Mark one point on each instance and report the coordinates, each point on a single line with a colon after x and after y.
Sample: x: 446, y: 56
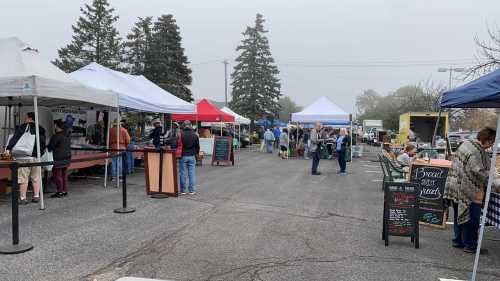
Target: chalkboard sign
x: 222, y: 152
x: 400, y: 211
x: 431, y: 181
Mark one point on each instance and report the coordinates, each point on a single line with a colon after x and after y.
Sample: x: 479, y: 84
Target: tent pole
x: 5, y: 132
x: 107, y: 147
x: 433, y: 141
x: 118, y: 131
x: 38, y: 152
x: 239, y: 142
x: 487, y: 199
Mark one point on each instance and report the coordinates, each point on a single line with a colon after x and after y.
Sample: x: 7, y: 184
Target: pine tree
x: 256, y: 87
x: 138, y: 47
x: 170, y: 69
x: 95, y: 39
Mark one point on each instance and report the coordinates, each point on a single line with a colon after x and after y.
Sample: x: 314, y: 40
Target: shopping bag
x: 25, y: 144
x: 48, y: 156
x: 348, y: 155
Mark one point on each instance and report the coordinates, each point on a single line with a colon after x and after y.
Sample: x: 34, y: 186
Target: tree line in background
x: 153, y: 49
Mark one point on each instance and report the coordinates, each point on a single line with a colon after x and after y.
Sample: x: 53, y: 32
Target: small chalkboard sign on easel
x: 400, y: 211
x: 223, y: 150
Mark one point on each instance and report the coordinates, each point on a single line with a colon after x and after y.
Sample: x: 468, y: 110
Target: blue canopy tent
x: 483, y: 92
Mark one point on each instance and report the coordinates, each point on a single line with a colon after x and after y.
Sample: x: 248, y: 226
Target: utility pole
x: 225, y: 62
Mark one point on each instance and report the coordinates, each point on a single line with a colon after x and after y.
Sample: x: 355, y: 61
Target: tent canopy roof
x: 24, y: 74
x: 483, y: 92
x: 322, y: 110
x: 135, y: 92
x: 238, y: 118
x: 206, y: 112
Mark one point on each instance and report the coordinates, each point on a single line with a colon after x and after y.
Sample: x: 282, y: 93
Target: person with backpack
x: 269, y: 139
x: 26, y: 174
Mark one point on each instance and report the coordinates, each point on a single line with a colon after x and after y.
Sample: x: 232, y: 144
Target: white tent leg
x: 487, y: 200
x: 107, y: 147
x: 351, y: 141
x: 118, y: 128
x: 38, y: 152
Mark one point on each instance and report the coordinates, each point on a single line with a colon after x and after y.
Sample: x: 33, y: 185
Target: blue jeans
x: 187, y: 169
x: 269, y: 145
x: 116, y: 166
x: 315, y: 162
x: 130, y: 159
x: 467, y: 234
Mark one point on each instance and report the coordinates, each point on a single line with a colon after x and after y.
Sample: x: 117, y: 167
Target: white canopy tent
x: 238, y: 118
x: 135, y: 92
x: 27, y: 79
x: 323, y: 110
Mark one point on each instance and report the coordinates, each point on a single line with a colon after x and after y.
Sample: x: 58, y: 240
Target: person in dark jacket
x: 60, y: 146
x: 28, y: 173
x: 190, y: 148
x: 156, y: 133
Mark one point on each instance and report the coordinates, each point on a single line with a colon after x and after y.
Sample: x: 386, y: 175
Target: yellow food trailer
x: 419, y: 126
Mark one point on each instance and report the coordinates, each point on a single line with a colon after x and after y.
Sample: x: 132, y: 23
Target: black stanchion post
x: 124, y: 209
x: 160, y: 194
x: 16, y: 247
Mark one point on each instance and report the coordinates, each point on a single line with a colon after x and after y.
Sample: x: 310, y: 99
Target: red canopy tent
x: 205, y: 112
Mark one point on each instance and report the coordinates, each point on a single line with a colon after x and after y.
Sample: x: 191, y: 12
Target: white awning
x: 135, y: 92
x: 322, y: 110
x: 238, y: 118
x: 25, y: 74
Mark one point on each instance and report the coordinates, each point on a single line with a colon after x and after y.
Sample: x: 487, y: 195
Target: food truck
x: 418, y: 127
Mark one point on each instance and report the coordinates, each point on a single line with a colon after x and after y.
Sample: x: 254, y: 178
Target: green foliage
x: 138, y: 46
x: 95, y: 39
x: 256, y: 87
x: 287, y: 107
x: 169, y: 69
x: 411, y: 98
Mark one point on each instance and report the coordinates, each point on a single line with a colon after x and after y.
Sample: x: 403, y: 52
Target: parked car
x: 457, y: 138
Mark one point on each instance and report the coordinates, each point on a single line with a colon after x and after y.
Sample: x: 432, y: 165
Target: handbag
x: 48, y: 156
x: 25, y: 144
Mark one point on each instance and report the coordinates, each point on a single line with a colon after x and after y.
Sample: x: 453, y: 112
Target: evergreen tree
x: 138, y: 47
x: 95, y: 39
x: 170, y: 69
x: 256, y: 87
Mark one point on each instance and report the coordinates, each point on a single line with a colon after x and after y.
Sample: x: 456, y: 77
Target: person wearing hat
x: 172, y: 134
x: 124, y: 143
x: 156, y: 133
x: 190, y: 148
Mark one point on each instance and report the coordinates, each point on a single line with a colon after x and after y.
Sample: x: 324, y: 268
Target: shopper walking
x: 316, y: 142
x: 277, y: 133
x: 465, y: 187
x: 60, y: 146
x: 269, y: 139
x: 284, y: 144
x: 26, y: 174
x: 341, y: 145
x: 190, y: 148
x: 116, y: 163
x: 261, y: 133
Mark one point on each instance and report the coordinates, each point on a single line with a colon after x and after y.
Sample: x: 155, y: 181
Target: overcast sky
x: 328, y: 47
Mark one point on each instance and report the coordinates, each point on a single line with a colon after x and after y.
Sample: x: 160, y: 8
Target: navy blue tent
x: 483, y: 92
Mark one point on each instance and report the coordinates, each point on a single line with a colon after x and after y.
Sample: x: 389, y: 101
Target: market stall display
x: 28, y: 80
x: 483, y: 92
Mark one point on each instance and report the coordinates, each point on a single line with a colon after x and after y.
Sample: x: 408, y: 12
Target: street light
x: 451, y: 70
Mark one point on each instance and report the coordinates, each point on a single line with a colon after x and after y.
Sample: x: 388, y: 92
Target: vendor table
x: 5, y: 172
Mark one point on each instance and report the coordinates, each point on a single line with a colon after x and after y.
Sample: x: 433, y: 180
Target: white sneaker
x: 192, y: 193
x: 183, y: 193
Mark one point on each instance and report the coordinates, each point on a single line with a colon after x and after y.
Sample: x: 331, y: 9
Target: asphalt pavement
x: 263, y: 219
